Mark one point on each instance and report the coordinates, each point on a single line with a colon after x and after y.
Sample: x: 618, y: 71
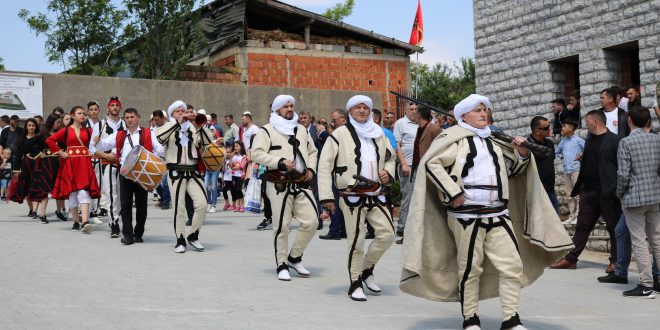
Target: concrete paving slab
x: 53, y: 278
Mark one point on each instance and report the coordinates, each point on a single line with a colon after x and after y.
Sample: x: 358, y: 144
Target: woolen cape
x: 429, y: 262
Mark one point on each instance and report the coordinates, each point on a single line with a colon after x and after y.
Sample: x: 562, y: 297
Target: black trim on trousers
x: 279, y: 227
x: 468, y: 266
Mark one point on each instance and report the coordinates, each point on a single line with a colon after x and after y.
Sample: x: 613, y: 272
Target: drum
x: 143, y: 168
x: 213, y: 157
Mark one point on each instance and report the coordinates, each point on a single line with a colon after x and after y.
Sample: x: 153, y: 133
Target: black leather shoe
x: 138, y: 240
x: 330, y: 237
x: 613, y: 278
x: 126, y: 240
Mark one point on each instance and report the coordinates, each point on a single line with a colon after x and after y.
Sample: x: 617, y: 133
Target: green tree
x: 2, y: 65
x: 340, y: 10
x: 442, y: 86
x: 80, y: 30
x: 166, y: 37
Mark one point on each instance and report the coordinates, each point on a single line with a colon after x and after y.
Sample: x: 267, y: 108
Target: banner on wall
x: 21, y: 94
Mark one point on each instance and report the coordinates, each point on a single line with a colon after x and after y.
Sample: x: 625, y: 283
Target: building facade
x: 529, y: 52
x: 272, y: 44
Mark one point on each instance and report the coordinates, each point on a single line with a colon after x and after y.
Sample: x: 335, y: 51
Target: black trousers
x: 128, y: 189
x: 592, y: 206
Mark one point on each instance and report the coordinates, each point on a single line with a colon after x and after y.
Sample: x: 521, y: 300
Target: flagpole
x: 417, y: 76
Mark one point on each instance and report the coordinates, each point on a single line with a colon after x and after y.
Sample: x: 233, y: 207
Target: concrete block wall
x: 515, y: 41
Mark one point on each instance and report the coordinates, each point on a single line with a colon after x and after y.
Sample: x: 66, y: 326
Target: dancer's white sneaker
x: 283, y: 275
x: 196, y: 245
x: 358, y: 295
x: 300, y: 269
x: 371, y: 284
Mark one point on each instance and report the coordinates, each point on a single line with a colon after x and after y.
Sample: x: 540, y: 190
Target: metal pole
x: 417, y: 77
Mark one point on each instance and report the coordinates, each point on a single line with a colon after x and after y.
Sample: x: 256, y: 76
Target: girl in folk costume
x: 238, y: 165
x: 36, y: 185
x: 51, y: 164
x: 227, y: 178
x: 76, y: 179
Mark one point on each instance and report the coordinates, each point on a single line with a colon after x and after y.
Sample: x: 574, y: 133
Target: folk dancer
x: 182, y: 139
x: 110, y: 167
x: 479, y: 213
x: 75, y: 179
x: 287, y: 150
x: 362, y: 161
x: 96, y: 124
x: 124, y: 141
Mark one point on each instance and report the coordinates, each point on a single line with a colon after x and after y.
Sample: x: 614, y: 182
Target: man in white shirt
x: 123, y: 142
x: 405, y: 131
x: 616, y: 117
x: 93, y: 121
x: 110, y: 166
x: 249, y: 129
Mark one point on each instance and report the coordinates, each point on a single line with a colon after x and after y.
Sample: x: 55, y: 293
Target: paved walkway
x: 54, y: 278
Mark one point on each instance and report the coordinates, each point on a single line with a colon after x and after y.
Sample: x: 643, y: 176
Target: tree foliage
x: 443, y: 86
x: 166, y: 37
x: 2, y: 65
x: 340, y: 10
x: 80, y: 30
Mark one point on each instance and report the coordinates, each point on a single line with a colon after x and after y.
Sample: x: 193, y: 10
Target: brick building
x: 273, y: 44
x: 530, y: 52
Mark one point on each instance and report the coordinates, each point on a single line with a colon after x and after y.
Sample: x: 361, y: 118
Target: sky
x: 448, y: 29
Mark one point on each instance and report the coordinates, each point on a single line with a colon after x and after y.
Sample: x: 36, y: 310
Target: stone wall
x: 516, y: 41
x: 520, y: 45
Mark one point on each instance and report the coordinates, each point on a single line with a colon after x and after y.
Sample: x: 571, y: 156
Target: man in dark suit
x: 596, y: 186
x: 638, y: 187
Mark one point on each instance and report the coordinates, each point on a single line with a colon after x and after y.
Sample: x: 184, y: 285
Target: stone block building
x: 529, y: 52
x: 273, y: 44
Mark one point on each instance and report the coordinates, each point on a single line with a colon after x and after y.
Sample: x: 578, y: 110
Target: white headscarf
x: 467, y: 105
x: 368, y: 129
x: 281, y: 124
x: 177, y: 104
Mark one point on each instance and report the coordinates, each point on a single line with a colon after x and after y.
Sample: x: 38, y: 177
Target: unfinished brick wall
x: 335, y: 73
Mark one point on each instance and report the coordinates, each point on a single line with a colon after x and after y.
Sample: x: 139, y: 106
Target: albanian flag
x: 417, y: 33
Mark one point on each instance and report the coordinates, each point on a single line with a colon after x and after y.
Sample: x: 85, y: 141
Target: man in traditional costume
x: 110, y: 166
x: 362, y: 160
x: 288, y: 152
x: 124, y: 141
x: 183, y: 139
x: 474, y: 197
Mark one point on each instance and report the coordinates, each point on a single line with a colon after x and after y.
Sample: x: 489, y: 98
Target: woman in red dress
x: 75, y: 179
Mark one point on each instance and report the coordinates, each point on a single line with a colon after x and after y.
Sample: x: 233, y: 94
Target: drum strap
x: 130, y: 140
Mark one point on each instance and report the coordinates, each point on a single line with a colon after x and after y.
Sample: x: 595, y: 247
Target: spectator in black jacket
x: 544, y: 163
x: 11, y: 137
x: 562, y: 113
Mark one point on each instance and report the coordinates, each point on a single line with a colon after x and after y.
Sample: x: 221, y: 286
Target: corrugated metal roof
x: 225, y: 23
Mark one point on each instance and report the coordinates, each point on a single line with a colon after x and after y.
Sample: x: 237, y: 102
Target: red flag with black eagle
x: 417, y: 33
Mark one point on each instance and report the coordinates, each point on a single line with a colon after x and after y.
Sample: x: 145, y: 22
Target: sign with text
x: 21, y: 94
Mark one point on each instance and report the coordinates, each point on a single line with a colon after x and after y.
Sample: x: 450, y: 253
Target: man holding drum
x: 182, y: 140
x: 124, y: 141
